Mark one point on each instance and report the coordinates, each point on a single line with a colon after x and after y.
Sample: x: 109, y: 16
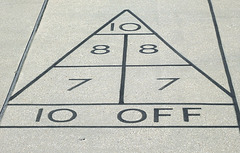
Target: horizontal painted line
x: 73, y: 66
x: 119, y: 127
x: 74, y: 104
x: 125, y: 34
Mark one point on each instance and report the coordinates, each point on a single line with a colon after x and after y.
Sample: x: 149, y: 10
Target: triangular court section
x: 126, y: 25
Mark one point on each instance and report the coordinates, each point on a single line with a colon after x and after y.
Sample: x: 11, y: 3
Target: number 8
x: 148, y: 47
x: 100, y: 47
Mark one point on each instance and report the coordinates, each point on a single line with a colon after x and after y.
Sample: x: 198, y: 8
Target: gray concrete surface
x: 17, y: 21
x: 77, y: 103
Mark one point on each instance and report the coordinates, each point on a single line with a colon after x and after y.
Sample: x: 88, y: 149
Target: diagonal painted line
x: 236, y: 107
x: 17, y: 74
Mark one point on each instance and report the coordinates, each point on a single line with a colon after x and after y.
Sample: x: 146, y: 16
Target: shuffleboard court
x: 124, y: 68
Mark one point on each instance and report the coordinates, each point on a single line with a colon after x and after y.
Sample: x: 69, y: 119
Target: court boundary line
x: 187, y: 127
x: 227, y: 72
x: 115, y: 103
x: 21, y: 63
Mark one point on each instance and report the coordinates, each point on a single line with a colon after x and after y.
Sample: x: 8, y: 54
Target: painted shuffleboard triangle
x: 104, y: 48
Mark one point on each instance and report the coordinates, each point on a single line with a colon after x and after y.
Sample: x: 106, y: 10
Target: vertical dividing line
x: 235, y: 103
x: 23, y: 58
x: 124, y: 60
